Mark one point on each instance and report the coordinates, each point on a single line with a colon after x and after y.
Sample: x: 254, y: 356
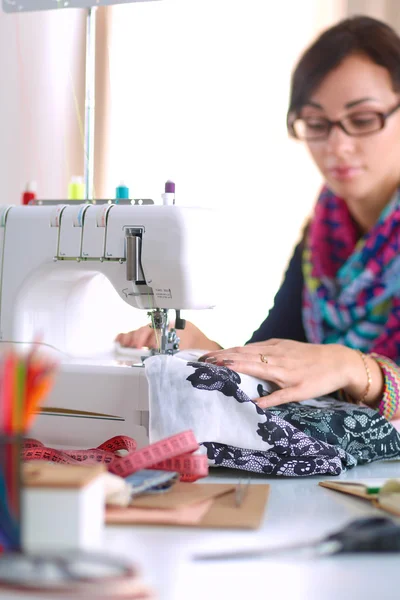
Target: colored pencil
x: 25, y: 380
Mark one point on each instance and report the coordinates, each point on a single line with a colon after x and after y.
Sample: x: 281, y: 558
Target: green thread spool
x: 76, y: 189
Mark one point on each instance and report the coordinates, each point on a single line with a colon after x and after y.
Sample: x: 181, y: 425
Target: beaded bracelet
x: 390, y: 402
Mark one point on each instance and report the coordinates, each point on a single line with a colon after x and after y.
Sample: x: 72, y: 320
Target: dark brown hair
x: 356, y: 35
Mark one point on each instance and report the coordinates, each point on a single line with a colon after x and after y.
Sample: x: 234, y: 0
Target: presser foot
x: 168, y: 339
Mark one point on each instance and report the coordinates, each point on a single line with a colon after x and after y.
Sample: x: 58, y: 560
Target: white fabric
x: 175, y: 405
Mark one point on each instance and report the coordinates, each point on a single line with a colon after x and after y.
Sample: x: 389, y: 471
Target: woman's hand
x: 301, y: 370
x: 190, y: 338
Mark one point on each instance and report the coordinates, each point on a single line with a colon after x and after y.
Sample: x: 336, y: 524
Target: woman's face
x: 357, y: 168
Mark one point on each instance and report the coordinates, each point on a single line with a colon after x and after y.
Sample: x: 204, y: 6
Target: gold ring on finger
x: 263, y: 358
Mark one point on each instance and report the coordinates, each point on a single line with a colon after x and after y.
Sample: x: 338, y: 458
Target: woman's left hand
x: 301, y: 370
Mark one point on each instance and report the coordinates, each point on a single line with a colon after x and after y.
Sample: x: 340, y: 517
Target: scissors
x: 368, y: 534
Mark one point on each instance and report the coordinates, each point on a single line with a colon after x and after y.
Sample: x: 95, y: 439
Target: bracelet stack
x: 391, y: 393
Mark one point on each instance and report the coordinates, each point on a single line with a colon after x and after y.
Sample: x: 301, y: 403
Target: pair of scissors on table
x: 368, y: 534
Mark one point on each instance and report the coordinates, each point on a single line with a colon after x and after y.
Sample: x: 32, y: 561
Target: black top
x: 285, y: 320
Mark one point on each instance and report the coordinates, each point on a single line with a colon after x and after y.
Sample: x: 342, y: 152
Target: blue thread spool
x: 122, y: 192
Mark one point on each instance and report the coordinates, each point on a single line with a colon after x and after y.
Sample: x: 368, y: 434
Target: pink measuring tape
x: 171, y: 454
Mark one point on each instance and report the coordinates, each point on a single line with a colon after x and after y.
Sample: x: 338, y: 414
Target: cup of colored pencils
x: 25, y: 380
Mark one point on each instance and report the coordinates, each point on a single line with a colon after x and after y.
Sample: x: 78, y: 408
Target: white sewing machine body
x: 154, y: 256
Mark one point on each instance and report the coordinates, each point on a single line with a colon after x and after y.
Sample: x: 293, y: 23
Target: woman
x: 335, y: 324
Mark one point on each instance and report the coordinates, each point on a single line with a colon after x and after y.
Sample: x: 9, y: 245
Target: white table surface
x: 298, y: 510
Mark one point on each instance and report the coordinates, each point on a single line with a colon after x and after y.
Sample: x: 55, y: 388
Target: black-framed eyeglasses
x: 357, y: 124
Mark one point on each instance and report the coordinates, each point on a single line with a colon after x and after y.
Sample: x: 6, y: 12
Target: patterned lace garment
x: 319, y: 437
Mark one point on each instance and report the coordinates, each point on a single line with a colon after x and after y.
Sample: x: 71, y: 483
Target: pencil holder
x: 10, y: 492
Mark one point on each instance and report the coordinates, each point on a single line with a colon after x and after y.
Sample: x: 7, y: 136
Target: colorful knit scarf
x: 352, y: 285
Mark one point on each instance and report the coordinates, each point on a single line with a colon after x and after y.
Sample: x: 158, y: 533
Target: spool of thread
x: 168, y: 197
x: 29, y: 193
x: 122, y: 192
x: 76, y: 188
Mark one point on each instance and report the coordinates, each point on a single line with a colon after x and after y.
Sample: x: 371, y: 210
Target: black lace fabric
x: 320, y: 437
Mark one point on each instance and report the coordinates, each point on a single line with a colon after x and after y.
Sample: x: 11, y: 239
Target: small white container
x: 63, y: 507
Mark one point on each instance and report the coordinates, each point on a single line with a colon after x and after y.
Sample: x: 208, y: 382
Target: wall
x: 42, y: 73
x: 387, y: 10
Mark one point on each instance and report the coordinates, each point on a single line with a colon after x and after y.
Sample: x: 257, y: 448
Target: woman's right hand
x: 190, y: 338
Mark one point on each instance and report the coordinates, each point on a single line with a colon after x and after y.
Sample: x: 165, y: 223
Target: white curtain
x: 198, y: 94
x: 42, y: 70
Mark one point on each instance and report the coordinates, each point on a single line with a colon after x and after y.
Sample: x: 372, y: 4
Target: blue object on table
x: 151, y: 481
x: 10, y: 492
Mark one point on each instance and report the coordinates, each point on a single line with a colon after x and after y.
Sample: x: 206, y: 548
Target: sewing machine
x: 157, y: 258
